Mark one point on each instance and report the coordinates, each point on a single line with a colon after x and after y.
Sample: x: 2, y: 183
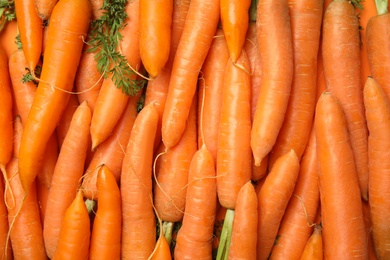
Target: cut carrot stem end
x: 90, y: 204
x: 226, y: 233
x: 381, y: 6
x: 167, y: 227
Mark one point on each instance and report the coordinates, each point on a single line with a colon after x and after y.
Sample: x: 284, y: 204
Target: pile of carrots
x: 194, y: 129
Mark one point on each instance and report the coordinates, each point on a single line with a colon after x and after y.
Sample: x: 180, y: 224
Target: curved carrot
x: 194, y: 239
x: 276, y: 54
x: 313, y: 248
x: 138, y: 219
x: 271, y: 205
x: 107, y: 225
x: 234, y: 157
x: 377, y: 106
x: 75, y: 231
x: 306, y: 16
x: 66, y: 177
x: 57, y: 76
x: 341, y: 202
x: 199, y: 29
x: 244, y: 231
x: 30, y: 27
x: 155, y: 34
x: 235, y: 20
x: 341, y: 60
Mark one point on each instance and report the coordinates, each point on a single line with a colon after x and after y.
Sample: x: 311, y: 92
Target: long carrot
x: 341, y: 203
x: 57, y: 76
x: 276, y: 54
x: 66, y: 176
x: 199, y: 29
x: 377, y: 106
x: 271, y: 204
x: 139, y: 222
x: 75, y: 231
x: 306, y: 16
x: 341, y: 46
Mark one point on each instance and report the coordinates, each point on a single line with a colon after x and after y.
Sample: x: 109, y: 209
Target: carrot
x: 271, y: 205
x: 341, y: 203
x: 97, y: 10
x: 306, y: 16
x: 162, y: 251
x: 66, y: 176
x: 210, y: 92
x: 199, y: 29
x: 377, y: 107
x: 106, y: 115
x: 66, y: 118
x: 244, y: 235
x: 138, y: 219
x: 194, y: 239
x: 75, y: 232
x: 172, y: 172
x: 30, y: 30
x: 377, y: 35
x: 5, y: 245
x: 297, y: 223
x: 51, y: 97
x: 7, y: 37
x: 276, y: 54
x: 44, y: 8
x: 341, y: 60
x: 313, y: 248
x: 155, y: 34
x: 106, y: 231
x: 49, y: 162
x: 111, y: 151
x: 234, y: 158
x: 235, y: 20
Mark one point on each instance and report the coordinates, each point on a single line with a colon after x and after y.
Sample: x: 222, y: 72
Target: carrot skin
x: 313, y: 248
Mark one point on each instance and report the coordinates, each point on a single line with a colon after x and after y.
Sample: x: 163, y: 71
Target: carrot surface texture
x: 62, y: 54
x: 313, y: 248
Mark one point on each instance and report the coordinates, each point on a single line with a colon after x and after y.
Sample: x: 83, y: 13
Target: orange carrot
x: 162, y: 251
x: 244, y: 232
x: 5, y: 244
x: 341, y: 59
x: 377, y: 107
x: 294, y: 134
x: 271, y: 205
x: 194, y: 239
x: 138, y: 219
x: 7, y: 37
x: 107, y: 225
x: 97, y: 10
x: 66, y: 176
x: 199, y: 29
x: 75, y: 231
x: 341, y: 203
x: 51, y: 97
x: 66, y: 118
x: 44, y: 8
x: 234, y: 157
x: 313, y: 248
x: 276, y: 54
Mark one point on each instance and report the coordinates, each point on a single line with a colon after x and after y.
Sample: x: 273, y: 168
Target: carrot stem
x: 226, y: 233
x: 90, y: 204
x: 253, y: 11
x: 381, y: 6
x: 167, y: 227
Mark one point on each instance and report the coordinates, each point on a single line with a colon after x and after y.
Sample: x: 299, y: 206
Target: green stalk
x: 381, y: 6
x: 226, y: 233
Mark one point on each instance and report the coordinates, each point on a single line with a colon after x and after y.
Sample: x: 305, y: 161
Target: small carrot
x: 44, y: 8
x: 341, y: 202
x: 162, y: 251
x: 107, y: 225
x: 75, y: 231
x: 313, y: 248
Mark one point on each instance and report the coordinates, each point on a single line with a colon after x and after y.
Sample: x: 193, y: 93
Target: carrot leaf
x: 224, y: 242
x: 7, y: 12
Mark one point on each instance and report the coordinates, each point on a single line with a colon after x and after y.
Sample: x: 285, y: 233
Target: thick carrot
x: 276, y: 54
x: 344, y: 233
x: 377, y: 106
x: 194, y: 239
x: 199, y: 29
x: 155, y: 34
x: 306, y: 16
x: 138, y: 219
x: 210, y: 92
x: 244, y: 232
x: 234, y: 157
x: 272, y: 205
x: 30, y: 27
x: 44, y: 8
x: 297, y: 223
x: 58, y: 72
x: 171, y: 172
x: 111, y: 151
x: 66, y: 177
x: 75, y: 231
x: 313, y: 248
x: 107, y: 225
x: 341, y: 59
x: 378, y: 35
x: 235, y: 20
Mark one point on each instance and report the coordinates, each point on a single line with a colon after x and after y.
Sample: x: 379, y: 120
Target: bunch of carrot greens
x: 192, y: 129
